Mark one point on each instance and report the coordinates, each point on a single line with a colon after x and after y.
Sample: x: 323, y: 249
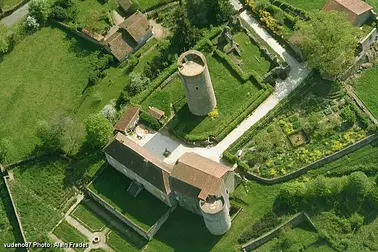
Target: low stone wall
x: 293, y: 222
x: 119, y: 215
x: 366, y: 42
x: 25, y: 160
x: 15, y: 211
x: 316, y: 164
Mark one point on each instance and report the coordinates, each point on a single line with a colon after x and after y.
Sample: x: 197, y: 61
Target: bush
x: 269, y: 221
x: 98, y: 130
x: 93, y: 78
x: 149, y: 121
x: 31, y: 23
x: 349, y: 115
x: 137, y: 84
x: 39, y: 9
x: 59, y: 13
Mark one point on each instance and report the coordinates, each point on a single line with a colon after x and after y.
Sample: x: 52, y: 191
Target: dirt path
x: 19, y: 14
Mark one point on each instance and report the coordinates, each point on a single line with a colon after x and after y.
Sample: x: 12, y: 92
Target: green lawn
x: 45, y: 74
x: 40, y: 193
x: 373, y: 3
x: 68, y: 233
x: 8, y: 4
x: 307, y: 5
x: 148, y: 4
x: 226, y: 87
x: 91, y: 14
x: 170, y: 94
x: 88, y: 218
x: 120, y: 244
x: 9, y: 231
x: 251, y: 56
x: 112, y: 186
x: 366, y: 88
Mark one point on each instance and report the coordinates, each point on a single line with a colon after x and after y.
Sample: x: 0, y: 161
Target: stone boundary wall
x: 15, y: 211
x: 152, y: 231
x: 293, y: 222
x: 366, y: 42
x: 25, y: 160
x: 9, y: 12
x: 317, y: 164
x: 116, y: 213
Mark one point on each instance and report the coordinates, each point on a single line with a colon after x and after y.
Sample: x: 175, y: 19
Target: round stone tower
x: 216, y: 215
x: 195, y: 76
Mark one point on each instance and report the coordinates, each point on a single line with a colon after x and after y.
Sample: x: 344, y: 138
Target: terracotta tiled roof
x: 353, y: 8
x: 119, y: 47
x: 140, y: 161
x: 196, y: 176
x: 125, y: 4
x: 128, y: 119
x: 156, y: 113
x: 137, y: 25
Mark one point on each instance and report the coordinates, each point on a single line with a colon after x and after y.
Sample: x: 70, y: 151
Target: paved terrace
x: 157, y: 142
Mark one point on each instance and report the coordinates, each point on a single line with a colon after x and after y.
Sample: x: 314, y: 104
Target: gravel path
x: 19, y: 14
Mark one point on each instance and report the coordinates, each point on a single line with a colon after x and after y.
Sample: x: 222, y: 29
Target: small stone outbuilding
x: 156, y: 113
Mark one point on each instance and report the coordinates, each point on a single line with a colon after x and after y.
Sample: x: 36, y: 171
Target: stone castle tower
x: 195, y: 76
x: 215, y: 212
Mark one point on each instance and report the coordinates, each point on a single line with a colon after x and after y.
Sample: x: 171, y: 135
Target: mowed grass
x: 68, y: 233
x: 88, y: 218
x: 119, y: 244
x: 162, y: 99
x: 373, y: 3
x: 366, y: 88
x: 40, y: 193
x: 148, y: 4
x: 230, y: 93
x: 307, y: 5
x: 252, y: 58
x: 8, y: 4
x: 111, y: 186
x: 45, y: 74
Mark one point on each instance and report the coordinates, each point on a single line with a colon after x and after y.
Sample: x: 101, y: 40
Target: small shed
x: 358, y: 11
x: 128, y: 119
x: 156, y: 113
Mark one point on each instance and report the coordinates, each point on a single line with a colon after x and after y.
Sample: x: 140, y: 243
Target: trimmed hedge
x: 243, y: 76
x: 149, y: 121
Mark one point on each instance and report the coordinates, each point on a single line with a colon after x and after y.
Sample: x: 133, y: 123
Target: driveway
x: 19, y: 14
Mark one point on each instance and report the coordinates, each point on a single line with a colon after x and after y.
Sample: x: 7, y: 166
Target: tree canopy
x: 329, y: 41
x: 98, y: 129
x: 40, y: 9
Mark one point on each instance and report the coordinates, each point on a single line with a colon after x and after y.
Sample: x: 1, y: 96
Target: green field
x: 307, y: 5
x: 366, y: 88
x: 148, y: 4
x: 45, y: 74
x: 112, y: 186
x: 119, y: 244
x: 8, y: 4
x: 226, y: 87
x: 88, y: 218
x: 68, y: 233
x: 40, y: 193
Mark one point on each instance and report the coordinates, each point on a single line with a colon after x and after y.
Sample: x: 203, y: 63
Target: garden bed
x: 88, y: 218
x: 68, y: 233
x: 329, y: 120
x: 111, y: 186
x: 40, y: 192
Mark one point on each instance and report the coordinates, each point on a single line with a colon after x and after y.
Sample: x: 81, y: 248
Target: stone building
x: 195, y: 76
x: 357, y: 11
x: 195, y: 183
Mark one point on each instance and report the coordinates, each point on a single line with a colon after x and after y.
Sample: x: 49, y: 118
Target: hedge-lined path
x: 19, y: 14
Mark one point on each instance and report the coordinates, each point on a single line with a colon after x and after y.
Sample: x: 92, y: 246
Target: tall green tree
x: 98, y: 129
x: 40, y: 10
x: 329, y: 41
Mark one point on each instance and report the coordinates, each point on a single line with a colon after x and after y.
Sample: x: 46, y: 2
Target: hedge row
x: 150, y: 43
x: 243, y: 76
x: 284, y: 6
x: 231, y: 126
x: 172, y: 68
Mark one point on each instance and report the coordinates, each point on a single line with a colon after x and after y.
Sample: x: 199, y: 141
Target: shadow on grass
x: 186, y: 231
x: 184, y: 121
